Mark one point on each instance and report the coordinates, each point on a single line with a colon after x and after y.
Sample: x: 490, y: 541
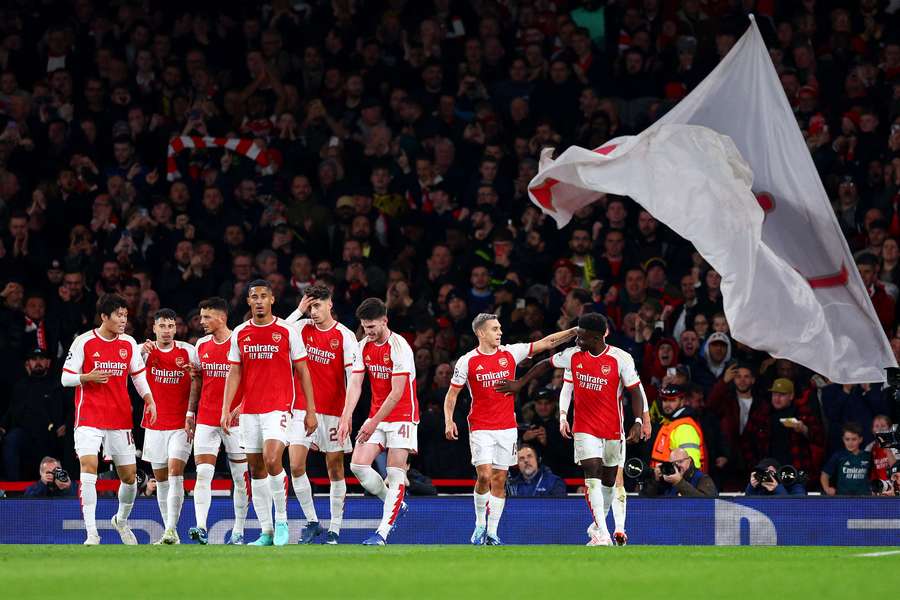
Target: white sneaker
x: 170, y: 538
x: 124, y: 531
x: 93, y: 539
x: 600, y: 540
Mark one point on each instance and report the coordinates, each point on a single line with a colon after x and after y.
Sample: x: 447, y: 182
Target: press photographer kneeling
x: 770, y: 479
x: 679, y: 477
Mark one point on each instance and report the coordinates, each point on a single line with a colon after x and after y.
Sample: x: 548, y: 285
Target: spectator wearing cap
x: 658, y: 284
x: 35, y: 422
x: 783, y: 429
x: 868, y: 265
x: 677, y: 429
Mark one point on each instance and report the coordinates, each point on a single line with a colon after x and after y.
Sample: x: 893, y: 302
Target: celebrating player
x: 333, y: 351
x: 166, y: 443
x: 492, y: 416
x: 98, y: 364
x: 393, y: 417
x: 202, y: 422
x: 266, y: 354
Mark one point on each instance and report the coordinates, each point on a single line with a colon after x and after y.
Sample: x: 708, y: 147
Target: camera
x: 667, y: 468
x: 883, y: 486
x: 764, y: 476
x: 60, y: 475
x: 788, y: 475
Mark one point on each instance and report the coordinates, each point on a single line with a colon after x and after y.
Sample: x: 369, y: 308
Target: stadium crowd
x: 398, y: 139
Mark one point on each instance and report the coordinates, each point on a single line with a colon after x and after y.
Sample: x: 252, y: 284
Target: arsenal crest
x: 387, y: 359
x: 276, y: 337
x: 334, y: 343
x: 605, y: 369
x: 503, y: 362
x: 123, y: 353
x: 179, y: 362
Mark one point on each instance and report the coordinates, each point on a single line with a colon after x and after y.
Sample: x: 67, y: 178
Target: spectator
x: 783, y: 429
x: 532, y: 478
x: 847, y: 471
x: 687, y: 480
x: 35, y: 422
x: 53, y: 482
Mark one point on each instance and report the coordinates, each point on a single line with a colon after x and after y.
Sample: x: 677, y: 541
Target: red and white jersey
x: 104, y: 405
x: 266, y: 354
x: 329, y: 353
x: 383, y: 362
x: 214, y: 366
x: 481, y: 372
x: 169, y: 378
x: 599, y: 382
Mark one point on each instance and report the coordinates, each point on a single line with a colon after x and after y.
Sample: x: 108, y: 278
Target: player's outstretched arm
x: 190, y: 418
x: 354, y: 389
x: 450, y: 429
x: 232, y: 383
x: 553, y: 340
x: 310, y: 421
x: 513, y: 387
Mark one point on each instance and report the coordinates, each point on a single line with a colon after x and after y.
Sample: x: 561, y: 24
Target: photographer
x: 679, y: 477
x: 765, y: 480
x: 54, y: 481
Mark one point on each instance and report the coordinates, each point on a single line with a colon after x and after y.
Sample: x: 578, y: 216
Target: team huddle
x: 294, y: 383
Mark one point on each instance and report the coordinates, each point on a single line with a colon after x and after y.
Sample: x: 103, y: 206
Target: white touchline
x: 873, y: 523
x: 874, y: 554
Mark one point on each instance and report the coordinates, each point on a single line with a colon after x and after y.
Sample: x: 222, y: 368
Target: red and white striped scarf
x: 244, y: 147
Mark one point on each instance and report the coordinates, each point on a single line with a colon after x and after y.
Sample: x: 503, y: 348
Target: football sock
x: 303, y: 491
x: 88, y: 490
x: 495, y: 511
x: 277, y: 484
x: 370, y: 480
x: 176, y: 499
x: 203, y: 493
x: 396, y: 489
x: 262, y: 504
x: 336, y: 496
x: 481, y: 504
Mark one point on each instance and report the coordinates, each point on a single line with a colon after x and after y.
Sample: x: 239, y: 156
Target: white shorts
x: 117, y: 444
x: 323, y: 439
x: 612, y: 452
x: 495, y: 447
x: 160, y: 446
x: 208, y: 439
x: 257, y: 428
x: 403, y: 435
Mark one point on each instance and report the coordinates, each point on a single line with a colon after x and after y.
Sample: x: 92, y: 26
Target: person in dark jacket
x: 533, y: 478
x: 54, y: 482
x: 771, y: 485
x: 687, y: 480
x: 35, y: 423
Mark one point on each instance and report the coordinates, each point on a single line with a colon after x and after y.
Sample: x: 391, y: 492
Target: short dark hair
x: 852, y: 427
x: 594, y: 322
x: 582, y: 295
x: 318, y: 291
x: 214, y: 303
x: 371, y: 309
x: 164, y: 313
x: 867, y: 258
x: 131, y: 282
x: 110, y: 303
x: 258, y: 283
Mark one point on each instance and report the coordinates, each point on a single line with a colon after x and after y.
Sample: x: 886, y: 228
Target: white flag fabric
x: 789, y: 283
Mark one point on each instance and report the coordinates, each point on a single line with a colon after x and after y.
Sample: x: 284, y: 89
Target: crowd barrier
x: 449, y: 520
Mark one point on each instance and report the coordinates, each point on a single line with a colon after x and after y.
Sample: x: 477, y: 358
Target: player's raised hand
x: 310, y: 422
x: 147, y: 347
x: 343, y: 429
x: 95, y: 376
x: 304, y: 304
x: 150, y: 409
x: 451, y: 432
x: 564, y: 429
x: 634, y: 434
x: 508, y: 386
x: 190, y: 423
x: 365, y: 432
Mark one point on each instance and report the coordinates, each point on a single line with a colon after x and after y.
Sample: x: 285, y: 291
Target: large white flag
x: 789, y: 283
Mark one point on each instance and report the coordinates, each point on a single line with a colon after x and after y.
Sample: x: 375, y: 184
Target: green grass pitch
x: 397, y: 572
